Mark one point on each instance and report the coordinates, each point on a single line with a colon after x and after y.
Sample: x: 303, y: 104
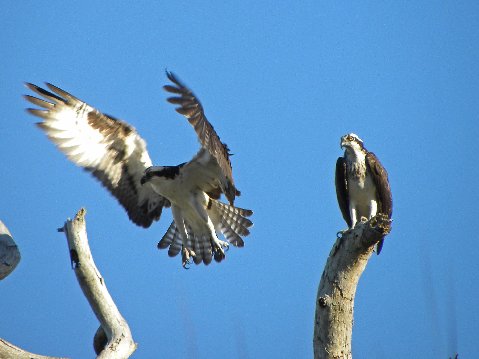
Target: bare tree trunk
x: 335, y: 299
x: 113, y: 339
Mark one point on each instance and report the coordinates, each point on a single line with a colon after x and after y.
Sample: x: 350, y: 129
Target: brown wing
x: 342, y: 190
x: 109, y: 148
x: 191, y: 108
x: 380, y: 178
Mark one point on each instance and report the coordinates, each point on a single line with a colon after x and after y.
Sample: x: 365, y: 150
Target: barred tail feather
x: 231, y: 221
x: 198, y: 248
x: 171, y: 239
x: 232, y: 237
x: 207, y: 252
x: 202, y: 247
x: 174, y: 242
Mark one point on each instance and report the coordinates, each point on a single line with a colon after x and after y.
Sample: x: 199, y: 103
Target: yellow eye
x: 350, y: 138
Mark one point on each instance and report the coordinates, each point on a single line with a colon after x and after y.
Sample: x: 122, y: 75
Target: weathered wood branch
x: 347, y: 260
x: 10, y: 351
x: 119, y: 342
x: 9, y: 253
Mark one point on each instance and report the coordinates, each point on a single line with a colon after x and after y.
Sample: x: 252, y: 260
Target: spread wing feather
x: 190, y: 107
x: 109, y: 148
x: 342, y: 189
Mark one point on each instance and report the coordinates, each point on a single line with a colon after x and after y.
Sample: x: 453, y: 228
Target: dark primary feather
x: 108, y: 148
x: 342, y: 189
x: 190, y: 107
x: 383, y: 190
x: 380, y: 178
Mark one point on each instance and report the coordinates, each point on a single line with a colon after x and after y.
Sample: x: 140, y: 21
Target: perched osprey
x: 362, y: 184
x: 116, y: 155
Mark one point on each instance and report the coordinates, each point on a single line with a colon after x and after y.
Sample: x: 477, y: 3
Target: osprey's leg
x: 373, y: 209
x: 354, y: 215
x: 186, y: 253
x: 216, y: 244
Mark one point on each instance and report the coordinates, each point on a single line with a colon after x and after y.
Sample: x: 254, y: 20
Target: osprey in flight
x: 116, y: 155
x: 362, y: 184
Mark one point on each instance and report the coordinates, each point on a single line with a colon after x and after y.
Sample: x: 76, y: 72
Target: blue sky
x: 281, y: 84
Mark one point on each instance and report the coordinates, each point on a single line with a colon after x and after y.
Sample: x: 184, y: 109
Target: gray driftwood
x: 9, y: 253
x: 10, y: 351
x: 333, y: 324
x: 113, y: 339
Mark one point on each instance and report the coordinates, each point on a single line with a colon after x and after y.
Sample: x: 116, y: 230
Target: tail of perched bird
x: 379, y: 246
x: 231, y: 221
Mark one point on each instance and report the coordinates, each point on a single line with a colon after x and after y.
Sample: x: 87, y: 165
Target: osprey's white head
x: 352, y: 143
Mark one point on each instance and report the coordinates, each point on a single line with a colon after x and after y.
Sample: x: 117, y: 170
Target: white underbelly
x: 362, y: 196
x: 186, y: 199
x: 172, y: 189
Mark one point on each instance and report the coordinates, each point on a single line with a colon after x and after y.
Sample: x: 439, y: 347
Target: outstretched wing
x: 191, y: 108
x: 109, y: 148
x: 342, y: 190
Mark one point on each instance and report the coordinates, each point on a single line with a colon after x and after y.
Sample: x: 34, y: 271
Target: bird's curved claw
x: 217, y: 248
x: 219, y: 255
x: 186, y: 256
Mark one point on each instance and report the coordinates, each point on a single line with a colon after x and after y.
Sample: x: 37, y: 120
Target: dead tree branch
x: 118, y: 342
x: 335, y: 299
x: 10, y: 351
x: 9, y: 253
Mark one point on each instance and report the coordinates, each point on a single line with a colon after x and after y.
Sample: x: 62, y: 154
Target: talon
x: 224, y: 245
x: 217, y: 249
x: 219, y: 245
x: 186, y: 256
x: 219, y: 255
